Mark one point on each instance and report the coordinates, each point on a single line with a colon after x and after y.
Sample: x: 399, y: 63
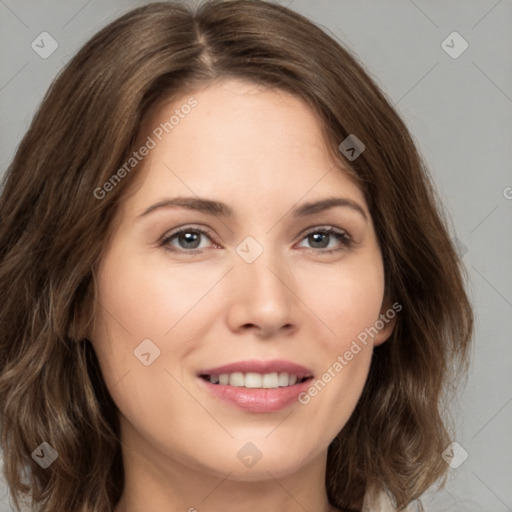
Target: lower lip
x: 257, y: 399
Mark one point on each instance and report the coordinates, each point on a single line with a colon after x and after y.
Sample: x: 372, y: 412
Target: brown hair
x: 53, y: 230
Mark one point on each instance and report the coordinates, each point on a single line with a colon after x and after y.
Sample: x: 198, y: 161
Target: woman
x: 294, y: 356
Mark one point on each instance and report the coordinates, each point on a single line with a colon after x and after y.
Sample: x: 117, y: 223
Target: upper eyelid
x: 324, y: 227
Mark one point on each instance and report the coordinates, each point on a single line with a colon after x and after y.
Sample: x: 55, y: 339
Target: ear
x: 83, y: 317
x: 386, y: 321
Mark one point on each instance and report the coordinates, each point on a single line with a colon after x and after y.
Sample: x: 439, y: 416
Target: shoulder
x: 381, y: 502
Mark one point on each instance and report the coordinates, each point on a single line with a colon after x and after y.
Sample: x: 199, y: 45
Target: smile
x: 256, y: 386
x: 255, y: 380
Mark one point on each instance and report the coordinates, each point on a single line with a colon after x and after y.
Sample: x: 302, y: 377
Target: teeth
x: 236, y: 379
x: 283, y: 379
x: 254, y: 380
x: 270, y: 380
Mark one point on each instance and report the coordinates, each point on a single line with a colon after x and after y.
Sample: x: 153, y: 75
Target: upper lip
x: 258, y: 366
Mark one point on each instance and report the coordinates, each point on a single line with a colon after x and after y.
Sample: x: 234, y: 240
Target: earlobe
x: 386, y: 321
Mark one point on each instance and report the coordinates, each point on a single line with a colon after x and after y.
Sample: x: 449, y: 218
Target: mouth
x: 257, y: 386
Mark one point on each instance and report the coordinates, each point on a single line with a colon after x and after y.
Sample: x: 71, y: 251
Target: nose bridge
x: 259, y: 262
x: 262, y: 281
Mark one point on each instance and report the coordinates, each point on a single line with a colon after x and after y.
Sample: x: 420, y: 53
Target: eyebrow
x: 218, y: 208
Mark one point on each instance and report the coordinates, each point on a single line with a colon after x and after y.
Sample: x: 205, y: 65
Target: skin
x: 243, y: 145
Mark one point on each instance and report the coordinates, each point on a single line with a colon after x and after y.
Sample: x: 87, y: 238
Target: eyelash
x: 341, y: 235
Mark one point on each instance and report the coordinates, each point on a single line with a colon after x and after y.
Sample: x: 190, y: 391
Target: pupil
x: 189, y: 238
x: 317, y: 238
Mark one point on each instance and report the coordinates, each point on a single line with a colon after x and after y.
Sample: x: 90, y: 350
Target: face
x: 276, y: 289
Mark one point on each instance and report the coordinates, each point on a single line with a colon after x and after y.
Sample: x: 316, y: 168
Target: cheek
x: 346, y: 299
x: 141, y: 298
x: 128, y: 312
x: 145, y: 299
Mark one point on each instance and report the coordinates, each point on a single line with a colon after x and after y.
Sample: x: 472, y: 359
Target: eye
x: 188, y: 239
x: 320, y: 237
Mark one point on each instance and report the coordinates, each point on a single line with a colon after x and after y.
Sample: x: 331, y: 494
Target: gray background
x: 460, y: 113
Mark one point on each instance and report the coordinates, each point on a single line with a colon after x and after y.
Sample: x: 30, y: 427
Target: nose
x: 261, y: 296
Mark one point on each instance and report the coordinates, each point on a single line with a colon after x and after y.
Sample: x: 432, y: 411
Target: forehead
x: 239, y: 136
x: 267, y: 116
